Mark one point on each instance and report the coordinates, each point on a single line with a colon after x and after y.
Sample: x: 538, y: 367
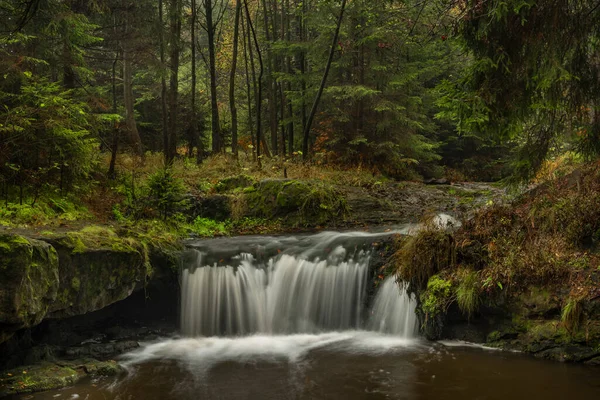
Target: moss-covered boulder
x: 96, y: 271
x: 29, y: 282
x: 37, y: 378
x: 47, y: 376
x: 234, y: 182
x: 297, y: 203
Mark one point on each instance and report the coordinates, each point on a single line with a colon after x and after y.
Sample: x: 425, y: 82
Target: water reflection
x: 337, y: 365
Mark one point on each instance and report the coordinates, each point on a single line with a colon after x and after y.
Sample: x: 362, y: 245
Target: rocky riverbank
x: 522, y: 276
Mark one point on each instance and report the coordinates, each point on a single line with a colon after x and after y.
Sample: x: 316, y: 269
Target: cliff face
x: 29, y: 273
x: 68, y: 276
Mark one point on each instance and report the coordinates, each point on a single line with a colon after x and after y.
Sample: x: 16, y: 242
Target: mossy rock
x: 538, y: 302
x: 217, y: 207
x: 92, y: 278
x: 30, y: 280
x: 48, y: 376
x: 433, y: 303
x: 234, y: 182
x: 38, y: 378
x: 298, y: 203
x: 97, y: 368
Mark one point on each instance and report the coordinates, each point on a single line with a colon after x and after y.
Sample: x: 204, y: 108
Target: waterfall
x: 315, y: 285
x: 393, y: 310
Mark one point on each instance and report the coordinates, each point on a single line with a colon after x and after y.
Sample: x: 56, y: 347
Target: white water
x: 202, y: 353
x: 291, y: 293
x: 393, y: 310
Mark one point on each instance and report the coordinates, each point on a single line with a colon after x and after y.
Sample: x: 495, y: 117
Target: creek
x: 311, y: 317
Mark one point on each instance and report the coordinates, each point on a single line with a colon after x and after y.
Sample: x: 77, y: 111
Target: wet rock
x: 572, y: 353
x: 594, y: 361
x: 97, y: 368
x: 29, y: 272
x: 433, y: 181
x: 54, y: 375
x: 37, y: 378
x: 101, y: 350
x: 217, y: 207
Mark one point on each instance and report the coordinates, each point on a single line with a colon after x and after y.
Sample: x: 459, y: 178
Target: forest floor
x: 372, y: 200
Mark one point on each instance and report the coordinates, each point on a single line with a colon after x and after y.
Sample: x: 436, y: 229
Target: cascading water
x: 289, y: 285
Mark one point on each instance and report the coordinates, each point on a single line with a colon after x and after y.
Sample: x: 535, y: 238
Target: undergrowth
x: 548, y: 237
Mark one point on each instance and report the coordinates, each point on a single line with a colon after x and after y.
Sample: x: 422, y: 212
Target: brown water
x: 346, y: 365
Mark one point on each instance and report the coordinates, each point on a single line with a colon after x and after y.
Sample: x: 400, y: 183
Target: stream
x: 306, y: 317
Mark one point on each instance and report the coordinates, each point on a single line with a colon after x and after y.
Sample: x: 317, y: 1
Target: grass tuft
x: 467, y: 293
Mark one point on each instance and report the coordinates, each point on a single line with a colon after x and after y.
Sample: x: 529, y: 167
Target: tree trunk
x: 315, y: 105
x: 134, y: 135
x: 248, y: 46
x: 270, y: 82
x: 234, y: 133
x: 163, y: 83
x: 288, y: 61
x: 259, y: 94
x: 193, y: 140
x: 175, y: 22
x: 214, y: 107
x: 301, y: 63
x: 115, y: 139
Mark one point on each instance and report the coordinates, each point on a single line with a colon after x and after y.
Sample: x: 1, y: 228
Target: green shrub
x: 208, y: 227
x: 166, y: 194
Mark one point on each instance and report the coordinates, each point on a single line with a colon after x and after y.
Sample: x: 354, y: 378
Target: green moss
x: 36, y: 379
x: 299, y: 203
x: 207, y: 227
x: 75, y: 284
x: 234, y: 182
x: 436, y: 298
x: 102, y: 368
x: 29, y: 276
x: 9, y: 241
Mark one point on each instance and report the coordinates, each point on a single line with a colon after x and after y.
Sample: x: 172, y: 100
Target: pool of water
x: 347, y: 365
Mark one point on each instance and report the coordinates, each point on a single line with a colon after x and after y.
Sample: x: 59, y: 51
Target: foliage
x: 50, y: 210
x: 166, y: 194
x: 533, y: 80
x: 572, y: 314
x: 467, y: 292
x: 47, y: 142
x: 207, y: 227
x: 437, y: 296
x: 424, y: 254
